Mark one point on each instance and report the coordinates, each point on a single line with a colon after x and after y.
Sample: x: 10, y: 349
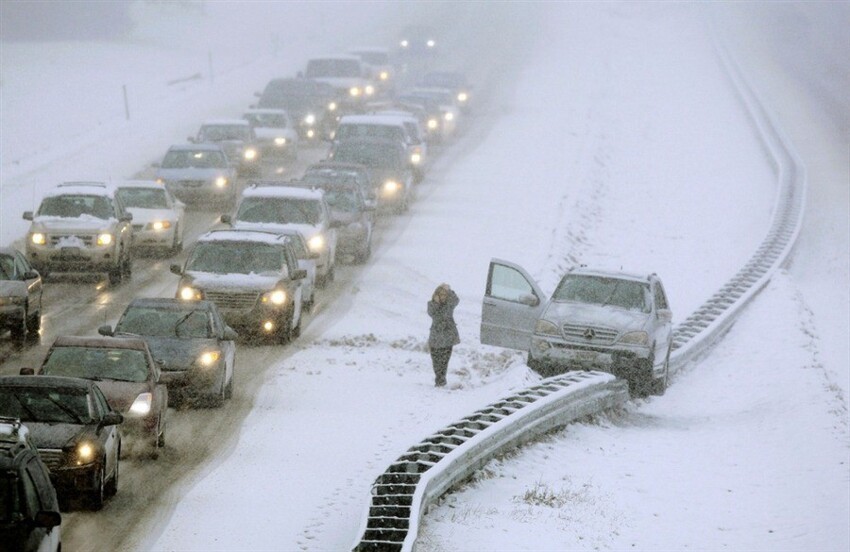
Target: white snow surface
x: 622, y: 144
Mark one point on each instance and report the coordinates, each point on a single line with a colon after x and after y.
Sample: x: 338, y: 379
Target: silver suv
x: 612, y: 321
x: 81, y: 227
x: 198, y: 173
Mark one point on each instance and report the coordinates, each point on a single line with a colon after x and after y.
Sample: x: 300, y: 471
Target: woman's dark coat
x: 443, y: 328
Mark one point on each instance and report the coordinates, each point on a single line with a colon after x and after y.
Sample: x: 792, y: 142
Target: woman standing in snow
x: 443, y: 334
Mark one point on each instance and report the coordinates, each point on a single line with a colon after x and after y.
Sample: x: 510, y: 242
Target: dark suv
x: 29, y: 510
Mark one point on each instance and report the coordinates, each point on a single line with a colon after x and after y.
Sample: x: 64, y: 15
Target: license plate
x: 586, y: 356
x: 70, y: 252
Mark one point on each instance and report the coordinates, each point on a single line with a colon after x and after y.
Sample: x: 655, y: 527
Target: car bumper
x: 617, y: 360
x: 350, y: 241
x: 194, y: 191
x: 70, y: 480
x: 192, y: 382
x: 254, y: 321
x: 76, y: 259
x: 153, y: 238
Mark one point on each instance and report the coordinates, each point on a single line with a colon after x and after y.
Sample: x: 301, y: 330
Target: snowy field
x: 619, y: 143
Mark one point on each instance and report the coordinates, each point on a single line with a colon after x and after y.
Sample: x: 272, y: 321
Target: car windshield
x: 374, y: 58
x: 341, y: 199
x: 348, y: 131
x: 46, y: 404
x: 377, y: 156
x: 76, y: 206
x: 218, y: 133
x: 600, y: 290
x: 279, y: 210
x: 97, y: 363
x: 331, y: 68
x: 227, y: 257
x: 7, y: 267
x: 266, y: 120
x: 165, y: 322
x: 143, y: 198
x: 200, y: 159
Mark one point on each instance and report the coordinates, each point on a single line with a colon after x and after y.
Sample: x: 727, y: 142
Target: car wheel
x: 19, y: 330
x: 177, y: 243
x: 361, y: 258
x: 98, y: 495
x: 34, y: 326
x: 535, y: 365
x: 296, y: 331
x: 216, y: 400
x: 659, y: 385
x: 127, y: 267
x: 160, y: 442
x: 284, y: 330
x: 111, y: 488
x: 115, y: 275
x: 228, y: 389
x: 640, y: 381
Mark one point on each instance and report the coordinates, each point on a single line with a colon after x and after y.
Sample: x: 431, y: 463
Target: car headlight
x: 332, y: 106
x: 449, y: 116
x: 221, y: 182
x: 280, y: 141
x: 276, y: 297
x: 142, y: 405
x: 430, y: 43
x: 384, y: 75
x: 85, y: 453
x: 432, y: 124
x: 159, y: 225
x: 311, y: 133
x: 635, y: 338
x: 310, y: 119
x: 415, y: 158
x: 391, y: 187
x: 462, y: 96
x: 38, y: 238
x: 250, y: 154
x: 160, y: 181
x: 188, y: 293
x: 209, y: 358
x: 404, y: 43
x: 546, y: 327
x: 316, y: 243
x: 104, y: 239
x: 354, y: 91
x: 369, y: 89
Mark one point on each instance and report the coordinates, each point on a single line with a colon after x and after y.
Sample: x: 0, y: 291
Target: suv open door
x: 512, y: 304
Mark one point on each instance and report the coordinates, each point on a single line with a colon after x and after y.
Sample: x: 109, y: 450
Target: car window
x: 22, y: 266
x: 7, y: 267
x: 156, y: 322
x: 195, y: 159
x: 340, y: 199
x: 372, y: 155
x: 144, y: 198
x: 230, y: 258
x: 100, y: 401
x: 279, y: 210
x: 349, y: 131
x: 660, y: 297
x: 97, y: 363
x: 600, y: 290
x: 269, y: 120
x: 508, y: 283
x: 323, y: 68
x: 44, y: 404
x: 76, y: 206
x: 218, y: 133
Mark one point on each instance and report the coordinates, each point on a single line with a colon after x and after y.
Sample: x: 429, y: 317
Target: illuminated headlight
x: 85, y: 453
x: 449, y: 116
x: 188, y: 293
x: 142, y: 405
x: 250, y: 154
x: 430, y: 43
x: 159, y: 225
x: 276, y: 297
x: 310, y: 119
x: 384, y: 75
x: 280, y: 141
x: 415, y: 158
x: 635, y: 338
x: 160, y: 181
x: 38, y: 238
x: 316, y: 243
x: 545, y: 327
x: 221, y: 182
x: 209, y: 358
x: 404, y: 43
x: 268, y: 325
x: 369, y: 90
x: 104, y: 239
x: 311, y: 133
x: 332, y: 106
x: 391, y: 187
x: 462, y: 97
x: 354, y: 91
x: 432, y: 124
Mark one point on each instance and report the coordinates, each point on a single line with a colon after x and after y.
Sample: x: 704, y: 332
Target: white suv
x: 613, y: 321
x: 81, y: 227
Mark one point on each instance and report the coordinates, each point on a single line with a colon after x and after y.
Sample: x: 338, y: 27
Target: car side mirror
x: 230, y: 334
x: 106, y: 330
x: 226, y: 219
x: 27, y: 215
x: 111, y: 419
x: 175, y: 269
x: 126, y: 217
x: 299, y: 274
x: 47, y: 519
x: 30, y: 275
x: 529, y: 299
x: 27, y: 371
x: 665, y: 315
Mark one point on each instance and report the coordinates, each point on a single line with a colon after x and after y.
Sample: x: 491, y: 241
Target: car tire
x: 228, y: 389
x: 216, y: 400
x: 34, y: 327
x: 19, y: 330
x: 177, y: 243
x: 116, y: 274
x: 641, y: 381
x: 361, y: 258
x: 111, y: 488
x: 659, y: 385
x: 98, y: 495
x: 296, y: 331
x: 127, y: 267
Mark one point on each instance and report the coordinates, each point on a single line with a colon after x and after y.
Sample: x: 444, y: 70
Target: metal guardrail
x: 420, y: 476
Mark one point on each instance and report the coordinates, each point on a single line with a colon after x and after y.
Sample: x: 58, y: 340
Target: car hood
x: 308, y: 230
x: 191, y: 173
x: 144, y: 216
x: 57, y: 435
x: 342, y: 82
x: 346, y: 217
x: 13, y: 288
x: 233, y: 282
x: 268, y: 133
x: 121, y: 394
x: 595, y: 315
x: 179, y: 354
x: 85, y: 223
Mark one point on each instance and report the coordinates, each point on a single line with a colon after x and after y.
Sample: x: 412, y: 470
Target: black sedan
x: 191, y: 342
x: 74, y: 429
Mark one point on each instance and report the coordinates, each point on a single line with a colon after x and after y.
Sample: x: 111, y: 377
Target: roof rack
x: 82, y: 183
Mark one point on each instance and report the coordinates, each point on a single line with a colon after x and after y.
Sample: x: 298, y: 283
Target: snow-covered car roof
x: 139, y: 184
x: 283, y: 191
x: 585, y: 271
x: 225, y: 122
x: 402, y: 116
x: 336, y: 56
x: 134, y: 343
x: 243, y: 236
x: 371, y: 119
x: 81, y: 188
x: 206, y: 146
x: 266, y: 111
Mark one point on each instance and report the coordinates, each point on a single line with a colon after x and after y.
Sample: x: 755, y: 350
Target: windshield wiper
x: 66, y: 410
x: 183, y: 319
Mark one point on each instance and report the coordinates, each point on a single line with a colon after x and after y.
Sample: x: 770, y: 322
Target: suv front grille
x: 87, y: 240
x: 232, y: 300
x: 592, y: 335
x: 52, y: 458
